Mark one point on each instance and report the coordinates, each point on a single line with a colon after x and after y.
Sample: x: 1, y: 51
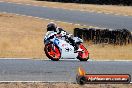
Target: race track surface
x: 60, y: 71
x: 64, y: 70
x: 78, y: 17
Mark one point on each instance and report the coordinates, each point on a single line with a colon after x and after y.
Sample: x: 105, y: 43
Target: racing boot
x: 79, y: 50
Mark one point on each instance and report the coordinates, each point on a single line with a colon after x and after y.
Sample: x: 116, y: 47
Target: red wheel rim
x: 53, y: 53
x: 83, y: 54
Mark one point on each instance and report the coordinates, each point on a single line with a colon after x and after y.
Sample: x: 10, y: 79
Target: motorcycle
x: 57, y: 48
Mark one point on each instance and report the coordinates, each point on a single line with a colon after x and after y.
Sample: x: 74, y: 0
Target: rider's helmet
x: 51, y: 27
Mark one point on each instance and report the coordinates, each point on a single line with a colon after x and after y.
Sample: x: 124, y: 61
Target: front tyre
x: 52, y: 52
x: 83, y: 55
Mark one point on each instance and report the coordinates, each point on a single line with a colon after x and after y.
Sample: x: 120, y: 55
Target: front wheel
x: 52, y: 52
x: 84, y: 54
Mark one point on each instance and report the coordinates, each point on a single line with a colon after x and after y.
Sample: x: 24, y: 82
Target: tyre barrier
x: 108, y: 36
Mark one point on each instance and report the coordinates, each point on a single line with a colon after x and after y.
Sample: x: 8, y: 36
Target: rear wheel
x: 52, y: 52
x: 83, y: 55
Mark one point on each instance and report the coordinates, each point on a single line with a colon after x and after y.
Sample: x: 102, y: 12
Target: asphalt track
x: 64, y: 70
x: 60, y: 71
x: 77, y: 17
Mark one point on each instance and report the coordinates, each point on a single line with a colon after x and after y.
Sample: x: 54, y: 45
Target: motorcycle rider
x: 59, y: 31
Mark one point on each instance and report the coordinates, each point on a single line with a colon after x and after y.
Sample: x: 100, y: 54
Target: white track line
x: 52, y: 20
x: 107, y: 60
x: 16, y: 58
x: 35, y: 81
x: 66, y: 8
x: 91, y: 60
x: 40, y: 82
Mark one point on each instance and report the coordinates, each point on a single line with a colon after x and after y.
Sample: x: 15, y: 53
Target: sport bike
x: 57, y: 48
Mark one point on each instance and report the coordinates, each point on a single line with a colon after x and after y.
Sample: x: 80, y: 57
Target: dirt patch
x: 123, y: 10
x: 62, y: 85
x: 23, y: 37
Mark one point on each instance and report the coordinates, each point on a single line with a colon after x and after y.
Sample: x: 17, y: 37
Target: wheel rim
x: 54, y: 53
x: 83, y: 54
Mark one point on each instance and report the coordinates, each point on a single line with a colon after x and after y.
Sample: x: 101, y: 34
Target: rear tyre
x: 83, y: 55
x: 52, y: 52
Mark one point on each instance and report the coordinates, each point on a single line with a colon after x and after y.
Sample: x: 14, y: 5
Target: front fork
x: 53, y: 48
x: 52, y: 44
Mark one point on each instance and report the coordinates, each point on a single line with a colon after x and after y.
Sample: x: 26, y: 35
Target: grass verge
x: 22, y: 37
